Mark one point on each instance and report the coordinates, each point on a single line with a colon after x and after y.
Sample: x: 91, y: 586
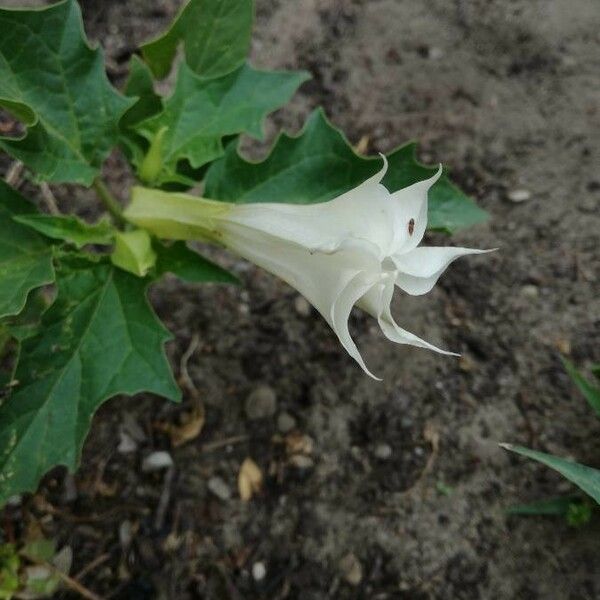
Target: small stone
x: 465, y: 364
x: 261, y: 403
x: 519, y: 195
x: 133, y: 428
x: 530, y: 291
x: 285, y: 422
x: 301, y: 462
x: 351, y: 569
x: 435, y: 53
x: 302, y: 306
x: 259, y: 571
x: 419, y: 451
x: 63, y: 559
x: 219, y: 488
x: 69, y: 493
x: 127, y: 444
x: 125, y: 534
x: 157, y: 461
x: 383, y: 451
x: 299, y: 443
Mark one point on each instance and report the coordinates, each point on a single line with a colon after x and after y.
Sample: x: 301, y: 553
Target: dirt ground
x: 376, y: 490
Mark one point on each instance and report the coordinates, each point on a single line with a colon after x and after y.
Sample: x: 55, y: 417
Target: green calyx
x: 176, y: 216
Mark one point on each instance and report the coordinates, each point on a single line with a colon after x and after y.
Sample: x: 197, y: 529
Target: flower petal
x: 377, y: 303
x: 410, y: 220
x: 331, y: 282
x: 340, y: 313
x: 363, y: 213
x: 419, y: 269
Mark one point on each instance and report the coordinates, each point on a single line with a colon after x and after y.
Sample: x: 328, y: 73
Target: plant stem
x: 109, y: 202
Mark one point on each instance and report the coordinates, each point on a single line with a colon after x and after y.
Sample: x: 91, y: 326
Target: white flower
x: 352, y: 250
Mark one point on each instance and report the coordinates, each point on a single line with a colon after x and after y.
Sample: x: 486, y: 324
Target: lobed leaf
x: 25, y: 258
x: 215, y: 35
x: 55, y: 83
x: 586, y: 478
x: 99, y: 338
x: 200, y: 112
x: 319, y: 164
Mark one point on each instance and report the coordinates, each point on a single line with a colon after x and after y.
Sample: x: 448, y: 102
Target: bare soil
x: 383, y: 490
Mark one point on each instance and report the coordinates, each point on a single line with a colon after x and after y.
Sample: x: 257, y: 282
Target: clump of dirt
x: 375, y: 490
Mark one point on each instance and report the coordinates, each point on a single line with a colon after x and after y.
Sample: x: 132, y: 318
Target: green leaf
x: 140, y: 85
x: 201, y: 112
x: 55, y: 83
x: 550, y: 506
x: 148, y: 103
x: 69, y: 229
x: 587, y: 478
x: 450, y: 209
x: 190, y: 266
x: 590, y: 392
x: 133, y: 252
x: 319, y: 164
x: 215, y: 36
x: 99, y: 338
x: 25, y: 258
x: 579, y: 513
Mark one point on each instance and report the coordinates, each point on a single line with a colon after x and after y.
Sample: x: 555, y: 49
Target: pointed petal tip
x: 373, y: 376
x: 384, y: 169
x: 429, y: 183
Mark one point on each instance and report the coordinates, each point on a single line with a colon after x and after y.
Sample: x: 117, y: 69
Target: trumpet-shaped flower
x: 352, y: 250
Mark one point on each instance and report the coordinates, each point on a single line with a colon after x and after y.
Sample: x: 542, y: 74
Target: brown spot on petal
x: 411, y: 227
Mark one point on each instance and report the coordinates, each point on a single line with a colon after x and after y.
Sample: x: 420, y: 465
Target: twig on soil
x: 93, y: 565
x: 184, y: 375
x: 75, y: 585
x: 49, y: 199
x: 236, y: 439
x: 98, y: 517
x: 165, y: 497
x: 69, y: 581
x: 13, y: 176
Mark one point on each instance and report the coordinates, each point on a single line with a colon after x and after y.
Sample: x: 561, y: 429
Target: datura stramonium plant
x: 352, y: 250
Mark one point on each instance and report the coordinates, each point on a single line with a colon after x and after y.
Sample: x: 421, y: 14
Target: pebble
x: 157, y: 461
x: 302, y: 306
x: 127, y: 444
x: 519, y: 195
x: 219, y: 488
x: 125, y: 534
x: 383, y: 451
x: 285, y: 422
x: 530, y: 291
x: 351, y: 569
x: 261, y: 403
x: 435, y: 53
x: 259, y: 571
x: 69, y: 493
x: 301, y: 462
